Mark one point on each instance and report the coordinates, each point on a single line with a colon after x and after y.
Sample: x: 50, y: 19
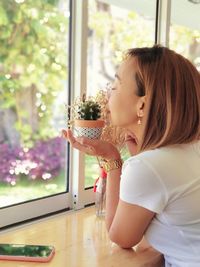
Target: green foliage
x: 33, y: 53
x: 25, y: 131
x: 121, y: 32
x: 124, y: 30
x: 184, y: 40
x: 33, y: 57
x: 89, y: 110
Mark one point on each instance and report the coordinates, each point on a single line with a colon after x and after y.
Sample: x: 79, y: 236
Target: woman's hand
x: 132, y: 143
x: 91, y: 147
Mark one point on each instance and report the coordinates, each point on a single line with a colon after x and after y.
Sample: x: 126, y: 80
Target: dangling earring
x: 139, y: 121
x: 140, y: 115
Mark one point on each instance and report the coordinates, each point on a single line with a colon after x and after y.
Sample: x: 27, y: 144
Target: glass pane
x: 185, y: 29
x: 114, y: 27
x: 33, y: 88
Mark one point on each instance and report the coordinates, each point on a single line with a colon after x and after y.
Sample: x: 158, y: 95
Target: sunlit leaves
x: 33, y: 38
x: 182, y: 39
x: 3, y: 16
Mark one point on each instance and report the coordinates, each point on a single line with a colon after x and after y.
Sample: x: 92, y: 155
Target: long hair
x: 172, y: 87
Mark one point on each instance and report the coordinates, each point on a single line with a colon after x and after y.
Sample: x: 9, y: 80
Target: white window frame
x: 33, y: 209
x: 164, y: 17
x: 81, y: 196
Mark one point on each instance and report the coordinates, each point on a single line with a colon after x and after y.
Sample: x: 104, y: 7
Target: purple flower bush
x: 8, y: 157
x: 44, y: 161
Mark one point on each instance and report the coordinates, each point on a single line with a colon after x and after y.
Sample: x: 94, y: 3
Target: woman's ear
x: 141, y: 106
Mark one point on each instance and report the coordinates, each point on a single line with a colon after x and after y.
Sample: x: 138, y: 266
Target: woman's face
x: 124, y: 104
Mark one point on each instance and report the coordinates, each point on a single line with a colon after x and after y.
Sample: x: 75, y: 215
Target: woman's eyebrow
x: 117, y: 76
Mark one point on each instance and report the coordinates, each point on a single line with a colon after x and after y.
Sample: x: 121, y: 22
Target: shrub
x: 44, y: 161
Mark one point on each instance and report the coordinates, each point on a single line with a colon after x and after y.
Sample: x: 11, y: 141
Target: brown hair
x: 172, y: 86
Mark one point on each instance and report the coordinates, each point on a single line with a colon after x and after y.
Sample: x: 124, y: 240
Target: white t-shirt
x: 167, y: 181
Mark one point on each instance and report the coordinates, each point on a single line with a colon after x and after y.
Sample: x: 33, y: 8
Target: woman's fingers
x: 87, y: 141
x: 64, y: 133
x: 70, y: 137
x: 131, y: 144
x: 79, y: 143
x: 92, y: 147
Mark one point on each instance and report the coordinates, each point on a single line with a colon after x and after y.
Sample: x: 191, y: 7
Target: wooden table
x: 80, y: 240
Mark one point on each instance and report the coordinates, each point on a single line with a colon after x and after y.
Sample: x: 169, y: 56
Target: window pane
x: 185, y: 29
x: 33, y: 86
x: 113, y: 27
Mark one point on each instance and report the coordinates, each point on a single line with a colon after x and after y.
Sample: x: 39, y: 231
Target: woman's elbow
x: 123, y: 242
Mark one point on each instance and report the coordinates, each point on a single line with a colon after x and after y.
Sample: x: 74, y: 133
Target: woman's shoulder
x: 168, y: 153
x: 149, y: 155
x: 180, y: 161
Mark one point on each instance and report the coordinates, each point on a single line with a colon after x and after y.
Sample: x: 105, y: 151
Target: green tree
x: 112, y: 34
x: 33, y: 63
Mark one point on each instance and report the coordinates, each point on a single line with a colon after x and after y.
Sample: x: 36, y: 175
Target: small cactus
x: 94, y: 108
x: 83, y: 108
x: 89, y: 110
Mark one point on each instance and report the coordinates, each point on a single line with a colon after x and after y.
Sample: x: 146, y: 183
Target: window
x: 185, y: 29
x: 34, y: 37
x: 113, y: 27
x: 34, y: 78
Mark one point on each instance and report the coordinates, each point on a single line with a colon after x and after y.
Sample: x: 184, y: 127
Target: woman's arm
x: 112, y: 195
x: 126, y: 223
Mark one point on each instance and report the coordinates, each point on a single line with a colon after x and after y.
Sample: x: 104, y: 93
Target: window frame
x: 81, y: 196
x: 163, y: 18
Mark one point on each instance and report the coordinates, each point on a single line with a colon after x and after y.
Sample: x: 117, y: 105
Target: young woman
x: 156, y: 192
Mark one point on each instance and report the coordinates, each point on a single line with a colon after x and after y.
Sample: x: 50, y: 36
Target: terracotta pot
x: 88, y: 128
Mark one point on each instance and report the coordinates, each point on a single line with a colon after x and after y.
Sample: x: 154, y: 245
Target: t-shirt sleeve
x: 141, y: 185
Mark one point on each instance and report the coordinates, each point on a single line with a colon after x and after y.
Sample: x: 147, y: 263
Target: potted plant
x: 86, y: 116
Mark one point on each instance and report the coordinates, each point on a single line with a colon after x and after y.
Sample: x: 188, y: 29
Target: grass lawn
x: 26, y: 189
